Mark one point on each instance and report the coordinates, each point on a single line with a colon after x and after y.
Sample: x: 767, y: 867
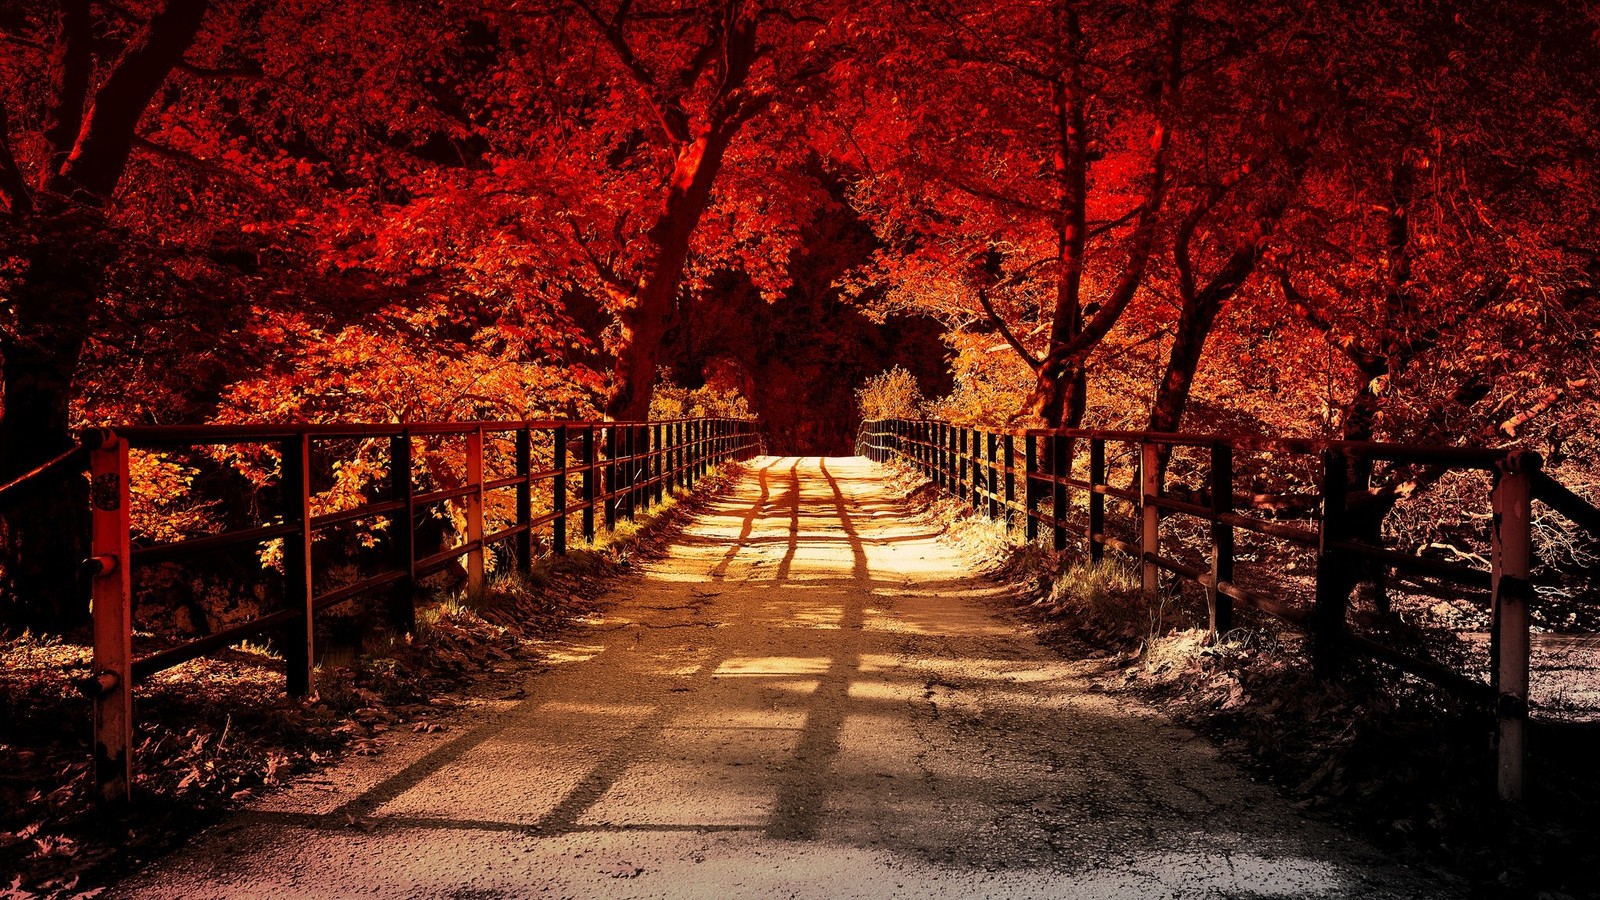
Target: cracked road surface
x: 809, y: 697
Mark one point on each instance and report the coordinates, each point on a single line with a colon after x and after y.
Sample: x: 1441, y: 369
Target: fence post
x: 992, y: 451
x: 638, y: 469
x: 983, y: 460
x: 963, y: 472
x: 1008, y: 456
x: 624, y: 488
x: 1030, y: 487
x: 970, y: 468
x: 524, y: 542
x: 1511, y: 561
x: 1150, y: 515
x: 558, y: 491
x: 1220, y: 604
x: 609, y: 487
x: 687, y: 454
x: 474, y: 511
x: 1333, y: 586
x: 294, y: 488
x: 402, y: 600
x: 1060, y: 504
x: 636, y: 464
x: 587, y: 449
x: 658, y: 458
x: 680, y: 449
x: 1097, y: 500
x: 112, y: 596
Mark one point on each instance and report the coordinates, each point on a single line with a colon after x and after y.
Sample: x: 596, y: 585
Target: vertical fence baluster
x: 1097, y: 500
x: 524, y: 540
x: 608, y: 487
x: 1030, y: 486
x: 402, y: 600
x: 112, y: 597
x: 1060, y: 504
x: 958, y: 462
x: 981, y: 495
x: 474, y: 510
x: 642, y: 489
x: 686, y: 454
x: 1008, y: 456
x: 630, y: 470
x: 1220, y: 605
x: 1333, y: 588
x: 992, y: 441
x: 587, y: 449
x: 294, y: 490
x: 559, y: 439
x: 1511, y: 558
x: 658, y: 457
x: 1150, y: 515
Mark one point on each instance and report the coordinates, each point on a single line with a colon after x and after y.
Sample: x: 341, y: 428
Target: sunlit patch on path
x: 811, y: 696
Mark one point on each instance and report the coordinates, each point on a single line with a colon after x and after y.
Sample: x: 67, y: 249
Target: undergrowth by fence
x: 510, y: 491
x: 1041, y: 477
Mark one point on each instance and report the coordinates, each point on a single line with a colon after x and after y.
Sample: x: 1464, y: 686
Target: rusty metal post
x: 524, y: 541
x: 1150, y: 515
x: 992, y: 451
x: 624, y: 488
x: 957, y: 463
x: 610, y: 487
x: 1060, y: 502
x: 294, y: 488
x: 1333, y: 586
x: 981, y: 494
x: 680, y: 462
x: 658, y: 458
x: 587, y: 449
x: 1008, y: 454
x: 1097, y: 500
x: 111, y: 594
x: 1030, y: 486
x: 402, y: 600
x: 690, y: 449
x: 474, y: 511
x: 1512, y: 562
x: 639, y: 445
x: 559, y: 439
x: 1220, y: 605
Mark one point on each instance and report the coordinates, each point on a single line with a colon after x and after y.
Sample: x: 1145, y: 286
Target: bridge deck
x: 809, y: 697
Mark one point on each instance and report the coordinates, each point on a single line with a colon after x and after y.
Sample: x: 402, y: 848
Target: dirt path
x: 808, y: 698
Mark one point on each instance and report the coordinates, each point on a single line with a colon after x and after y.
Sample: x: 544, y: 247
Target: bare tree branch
x: 13, y: 187
x: 669, y: 115
x: 71, y: 65
x: 100, y: 153
x: 1005, y: 331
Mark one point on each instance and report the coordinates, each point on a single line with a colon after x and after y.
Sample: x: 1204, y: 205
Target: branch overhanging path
x: 812, y: 696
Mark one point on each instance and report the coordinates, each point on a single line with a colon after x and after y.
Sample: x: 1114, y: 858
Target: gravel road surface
x: 809, y: 697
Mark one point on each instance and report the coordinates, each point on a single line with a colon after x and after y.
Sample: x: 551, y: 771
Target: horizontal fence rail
x: 1026, y: 476
x: 584, y: 475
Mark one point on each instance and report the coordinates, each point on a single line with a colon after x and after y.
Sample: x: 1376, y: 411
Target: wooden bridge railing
x: 604, y: 470
x: 1032, y: 482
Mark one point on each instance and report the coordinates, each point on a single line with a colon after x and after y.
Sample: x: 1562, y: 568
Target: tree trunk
x: 68, y: 250
x: 1060, y: 393
x: 46, y: 527
x: 687, y: 199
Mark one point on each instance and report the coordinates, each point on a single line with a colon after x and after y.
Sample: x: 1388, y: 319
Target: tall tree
x: 58, y: 229
x: 701, y: 72
x: 1030, y: 162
